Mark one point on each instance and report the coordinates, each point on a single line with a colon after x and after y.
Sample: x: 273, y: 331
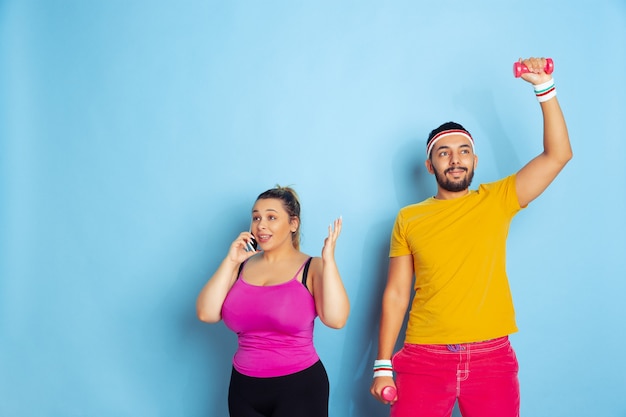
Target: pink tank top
x: 274, y: 326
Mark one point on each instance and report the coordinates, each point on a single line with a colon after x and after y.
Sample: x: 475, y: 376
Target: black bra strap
x: 241, y: 268
x: 306, y: 271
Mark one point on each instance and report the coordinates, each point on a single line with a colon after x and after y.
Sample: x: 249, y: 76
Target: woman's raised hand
x: 334, y: 230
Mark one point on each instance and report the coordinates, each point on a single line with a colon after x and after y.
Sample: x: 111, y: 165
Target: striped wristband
x: 382, y: 367
x: 545, y: 91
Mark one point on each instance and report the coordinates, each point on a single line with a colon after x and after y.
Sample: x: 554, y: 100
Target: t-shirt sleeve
x: 399, y: 245
x: 511, y: 200
x: 506, y: 192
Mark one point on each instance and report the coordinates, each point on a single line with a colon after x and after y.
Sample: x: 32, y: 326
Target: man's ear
x: 429, y: 166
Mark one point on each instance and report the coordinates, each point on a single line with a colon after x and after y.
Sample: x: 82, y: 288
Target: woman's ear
x: 295, y: 223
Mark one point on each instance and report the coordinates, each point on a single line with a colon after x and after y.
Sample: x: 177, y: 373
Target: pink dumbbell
x: 519, y: 68
x: 388, y: 393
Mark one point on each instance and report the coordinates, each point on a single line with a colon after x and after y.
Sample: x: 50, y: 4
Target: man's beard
x: 455, y: 186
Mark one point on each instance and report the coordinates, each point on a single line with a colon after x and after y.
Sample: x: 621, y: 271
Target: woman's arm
x: 212, y: 296
x: 331, y: 299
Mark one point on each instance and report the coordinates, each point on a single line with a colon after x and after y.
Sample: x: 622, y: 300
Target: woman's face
x: 271, y: 224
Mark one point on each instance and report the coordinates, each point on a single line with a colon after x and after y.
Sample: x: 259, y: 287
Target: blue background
x: 135, y: 136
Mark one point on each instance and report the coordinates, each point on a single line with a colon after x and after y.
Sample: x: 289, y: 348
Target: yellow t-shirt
x: 462, y: 292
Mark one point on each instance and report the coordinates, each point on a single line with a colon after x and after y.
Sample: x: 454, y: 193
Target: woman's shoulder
x: 311, y: 259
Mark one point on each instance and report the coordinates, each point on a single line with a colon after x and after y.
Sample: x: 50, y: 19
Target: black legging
x: 303, y: 394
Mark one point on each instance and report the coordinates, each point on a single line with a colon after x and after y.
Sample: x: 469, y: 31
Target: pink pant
x: 482, y: 376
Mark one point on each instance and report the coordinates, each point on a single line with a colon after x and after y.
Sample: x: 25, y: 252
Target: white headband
x: 441, y: 135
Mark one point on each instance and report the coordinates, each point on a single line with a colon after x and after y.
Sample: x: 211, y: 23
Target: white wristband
x: 382, y: 367
x: 545, y: 91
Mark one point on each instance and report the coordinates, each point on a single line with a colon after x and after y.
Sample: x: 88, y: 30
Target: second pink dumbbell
x: 388, y: 393
x: 519, y: 68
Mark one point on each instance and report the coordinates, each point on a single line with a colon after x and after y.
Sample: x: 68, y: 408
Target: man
x: 456, y: 343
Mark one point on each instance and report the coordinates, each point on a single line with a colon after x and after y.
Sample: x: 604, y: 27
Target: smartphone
x: 251, y: 245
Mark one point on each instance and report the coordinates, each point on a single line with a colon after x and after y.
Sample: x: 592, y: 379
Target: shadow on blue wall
x: 412, y: 183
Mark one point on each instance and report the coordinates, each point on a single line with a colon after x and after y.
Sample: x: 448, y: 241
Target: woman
x: 270, y: 297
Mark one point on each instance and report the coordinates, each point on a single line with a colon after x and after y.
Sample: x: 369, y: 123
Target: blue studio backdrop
x: 135, y: 137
